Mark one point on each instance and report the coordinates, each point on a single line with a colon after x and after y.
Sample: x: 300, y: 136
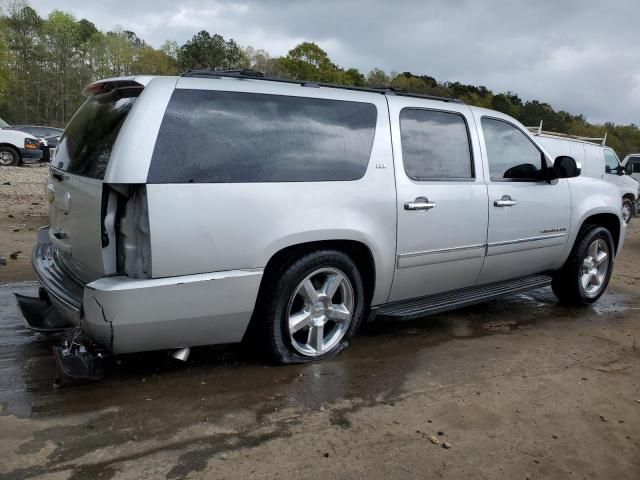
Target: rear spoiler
x: 110, y: 84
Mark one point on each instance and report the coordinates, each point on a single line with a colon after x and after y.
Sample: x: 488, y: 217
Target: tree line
x: 46, y: 62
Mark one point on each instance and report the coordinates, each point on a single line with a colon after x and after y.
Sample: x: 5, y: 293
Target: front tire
x: 313, y: 308
x: 627, y: 209
x: 9, y: 157
x: 585, y: 276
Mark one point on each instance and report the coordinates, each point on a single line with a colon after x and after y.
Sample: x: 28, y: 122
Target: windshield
x: 87, y: 141
x: 4, y: 124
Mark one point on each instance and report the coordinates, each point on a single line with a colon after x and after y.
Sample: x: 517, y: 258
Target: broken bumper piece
x: 40, y: 314
x: 78, y: 361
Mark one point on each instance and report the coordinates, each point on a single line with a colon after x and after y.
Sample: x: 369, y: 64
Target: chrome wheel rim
x: 626, y: 211
x: 319, y: 312
x: 6, y: 158
x: 595, y: 267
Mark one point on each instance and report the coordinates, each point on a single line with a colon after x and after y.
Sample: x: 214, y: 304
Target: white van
x: 598, y: 161
x: 17, y: 147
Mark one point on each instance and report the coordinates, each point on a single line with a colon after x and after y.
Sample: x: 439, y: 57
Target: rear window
x: 87, y: 142
x: 237, y: 137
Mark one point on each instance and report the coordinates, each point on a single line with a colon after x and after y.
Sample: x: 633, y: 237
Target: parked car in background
x: 17, y: 147
x: 49, y: 135
x: 295, y: 211
x: 598, y: 161
x: 631, y: 164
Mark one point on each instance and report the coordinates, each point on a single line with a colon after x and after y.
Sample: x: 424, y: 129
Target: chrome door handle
x: 505, y: 201
x: 420, y: 203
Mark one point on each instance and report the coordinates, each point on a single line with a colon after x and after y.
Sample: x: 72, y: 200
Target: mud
x: 519, y: 388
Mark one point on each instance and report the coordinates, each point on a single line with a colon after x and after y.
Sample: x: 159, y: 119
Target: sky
x: 579, y: 56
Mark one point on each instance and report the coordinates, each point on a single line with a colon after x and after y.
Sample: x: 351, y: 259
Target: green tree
x: 352, y: 76
x: 207, y: 52
x: 22, y: 28
x: 149, y: 61
x: 307, y: 61
x: 377, y: 78
x: 261, y: 61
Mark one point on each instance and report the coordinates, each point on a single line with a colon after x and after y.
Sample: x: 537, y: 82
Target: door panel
x: 442, y: 224
x: 529, y: 218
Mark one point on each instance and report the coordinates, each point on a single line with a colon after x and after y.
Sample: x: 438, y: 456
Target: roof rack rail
x: 256, y: 75
x: 538, y: 131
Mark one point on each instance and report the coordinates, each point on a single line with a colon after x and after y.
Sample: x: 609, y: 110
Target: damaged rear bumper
x: 127, y: 315
x: 59, y: 304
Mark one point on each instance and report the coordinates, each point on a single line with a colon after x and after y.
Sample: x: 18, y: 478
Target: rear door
x: 529, y: 217
x: 81, y: 226
x: 441, y: 197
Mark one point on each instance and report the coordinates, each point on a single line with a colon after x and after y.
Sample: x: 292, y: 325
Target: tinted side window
x: 610, y: 161
x: 635, y: 165
x: 236, y: 137
x: 435, y: 145
x: 511, y: 154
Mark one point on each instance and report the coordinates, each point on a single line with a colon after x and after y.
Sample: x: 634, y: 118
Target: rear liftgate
x: 124, y: 215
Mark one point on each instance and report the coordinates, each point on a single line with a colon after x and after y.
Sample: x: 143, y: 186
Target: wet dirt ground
x: 518, y: 388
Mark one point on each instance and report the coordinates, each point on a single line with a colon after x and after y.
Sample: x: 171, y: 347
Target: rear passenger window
x: 435, y: 145
x: 236, y: 137
x: 511, y: 154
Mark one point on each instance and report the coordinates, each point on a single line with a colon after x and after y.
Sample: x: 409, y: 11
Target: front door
x: 529, y: 217
x: 441, y: 197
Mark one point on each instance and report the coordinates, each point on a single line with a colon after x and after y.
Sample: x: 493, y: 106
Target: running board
x: 464, y: 297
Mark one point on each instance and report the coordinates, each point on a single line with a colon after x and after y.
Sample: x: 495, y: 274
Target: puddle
x: 219, y: 380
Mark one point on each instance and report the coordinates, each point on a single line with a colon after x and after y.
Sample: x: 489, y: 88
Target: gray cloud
x: 580, y: 56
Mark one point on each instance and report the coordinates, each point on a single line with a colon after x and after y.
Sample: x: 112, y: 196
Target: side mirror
x: 566, y: 167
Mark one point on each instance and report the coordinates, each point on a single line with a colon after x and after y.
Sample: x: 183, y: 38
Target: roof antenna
x: 540, y: 128
x: 604, y: 140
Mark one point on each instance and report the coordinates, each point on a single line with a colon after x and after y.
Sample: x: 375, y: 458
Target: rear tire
x: 312, y: 308
x: 628, y: 210
x: 9, y: 157
x: 585, y: 275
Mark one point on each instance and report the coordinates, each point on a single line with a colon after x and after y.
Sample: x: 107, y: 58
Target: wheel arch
x: 12, y: 147
x: 610, y: 221
x: 358, y: 251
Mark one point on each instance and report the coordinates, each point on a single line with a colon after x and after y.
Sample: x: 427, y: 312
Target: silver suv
x: 192, y: 210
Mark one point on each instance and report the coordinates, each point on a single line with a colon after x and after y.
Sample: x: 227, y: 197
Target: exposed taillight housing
x: 134, y: 244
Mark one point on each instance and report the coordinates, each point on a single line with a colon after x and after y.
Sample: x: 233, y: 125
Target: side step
x: 441, y: 302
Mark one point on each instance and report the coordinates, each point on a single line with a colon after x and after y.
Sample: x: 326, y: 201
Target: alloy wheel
x: 595, y: 266
x: 626, y: 211
x: 320, y: 311
x: 6, y: 158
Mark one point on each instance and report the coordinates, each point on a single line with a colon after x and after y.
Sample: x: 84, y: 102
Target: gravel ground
x: 24, y: 210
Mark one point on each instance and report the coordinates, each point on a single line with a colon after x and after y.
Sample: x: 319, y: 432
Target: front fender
x: 589, y: 197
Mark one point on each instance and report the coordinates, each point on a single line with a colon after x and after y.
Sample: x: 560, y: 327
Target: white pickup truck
x: 17, y: 147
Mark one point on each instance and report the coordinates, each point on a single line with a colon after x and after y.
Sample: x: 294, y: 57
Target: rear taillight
x: 134, y: 246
